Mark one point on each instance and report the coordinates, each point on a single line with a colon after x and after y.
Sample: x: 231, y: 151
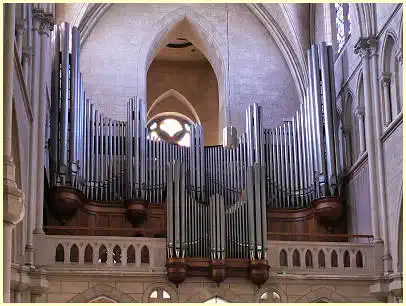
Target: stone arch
x: 389, y: 35
x: 359, y: 90
x: 203, y: 35
x: 165, y: 286
x: 174, y: 114
x: 102, y: 290
x: 211, y: 292
x: 178, y: 96
x: 323, y: 294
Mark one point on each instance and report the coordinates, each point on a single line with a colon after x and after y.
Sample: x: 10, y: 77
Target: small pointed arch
x: 88, y: 254
x: 283, y: 258
x: 390, y: 42
x: 117, y: 254
x: 145, y: 255
x: 309, y: 259
x: 359, y: 262
x: 59, y: 253
x: 334, y: 259
x: 130, y: 255
x: 74, y: 253
x: 179, y: 97
x: 346, y: 259
x: 102, y: 254
x: 322, y: 259
x: 296, y: 258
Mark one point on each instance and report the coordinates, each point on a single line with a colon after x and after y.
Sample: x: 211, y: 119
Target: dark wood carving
x: 258, y: 271
x: 218, y: 270
x: 95, y: 218
x: 176, y: 270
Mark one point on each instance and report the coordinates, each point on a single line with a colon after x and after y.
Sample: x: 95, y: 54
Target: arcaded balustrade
x: 101, y: 251
x: 140, y: 253
x: 301, y: 257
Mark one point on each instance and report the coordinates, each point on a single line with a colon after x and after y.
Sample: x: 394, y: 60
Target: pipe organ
x: 216, y: 197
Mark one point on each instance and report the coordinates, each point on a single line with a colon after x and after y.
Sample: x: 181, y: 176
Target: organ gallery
x: 189, y: 168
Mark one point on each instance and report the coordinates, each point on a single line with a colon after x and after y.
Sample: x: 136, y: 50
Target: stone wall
x: 197, y: 82
x: 137, y: 289
x: 112, y: 65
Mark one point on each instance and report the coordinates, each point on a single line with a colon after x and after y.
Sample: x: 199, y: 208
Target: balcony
x: 147, y: 256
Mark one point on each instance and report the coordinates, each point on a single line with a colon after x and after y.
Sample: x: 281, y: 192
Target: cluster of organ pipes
x: 216, y: 197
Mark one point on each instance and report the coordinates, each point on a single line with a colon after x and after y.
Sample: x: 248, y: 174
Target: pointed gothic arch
x: 102, y: 291
x: 323, y: 294
x: 211, y: 292
x: 179, y: 97
x: 200, y: 33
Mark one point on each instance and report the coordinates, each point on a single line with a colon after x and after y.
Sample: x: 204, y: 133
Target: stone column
x: 346, y: 131
x: 362, y: 48
x: 13, y: 198
x: 386, y: 80
x: 380, y: 160
x: 360, y: 115
x: 33, y: 178
x: 46, y: 25
x: 19, y: 37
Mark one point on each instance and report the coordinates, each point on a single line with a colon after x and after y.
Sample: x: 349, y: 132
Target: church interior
x: 205, y: 152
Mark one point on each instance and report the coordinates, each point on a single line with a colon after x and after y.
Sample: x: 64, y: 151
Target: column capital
x: 385, y: 78
x: 46, y: 23
x: 360, y: 111
x: 366, y: 46
x: 399, y: 56
x: 26, y: 52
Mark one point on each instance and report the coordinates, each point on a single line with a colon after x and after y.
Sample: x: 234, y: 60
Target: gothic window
x: 270, y: 297
x: 131, y: 255
x: 159, y: 295
x: 343, y: 23
x: 283, y: 259
x: 170, y: 129
x: 88, y: 254
x: 74, y: 253
x: 59, y: 254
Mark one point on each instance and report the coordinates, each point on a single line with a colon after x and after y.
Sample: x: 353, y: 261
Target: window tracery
x: 170, y: 129
x: 343, y: 24
x: 270, y: 297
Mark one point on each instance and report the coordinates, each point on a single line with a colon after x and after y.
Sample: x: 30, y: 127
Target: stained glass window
x: 170, y: 129
x: 343, y: 23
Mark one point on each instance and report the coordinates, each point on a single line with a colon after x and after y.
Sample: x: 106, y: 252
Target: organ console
x: 216, y: 198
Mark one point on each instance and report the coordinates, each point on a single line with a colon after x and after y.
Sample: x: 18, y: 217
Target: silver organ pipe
x: 216, y: 197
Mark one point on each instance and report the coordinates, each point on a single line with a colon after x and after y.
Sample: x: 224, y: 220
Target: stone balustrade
x: 144, y: 254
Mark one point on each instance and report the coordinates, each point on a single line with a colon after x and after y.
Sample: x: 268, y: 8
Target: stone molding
x: 323, y: 294
x: 102, y: 290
